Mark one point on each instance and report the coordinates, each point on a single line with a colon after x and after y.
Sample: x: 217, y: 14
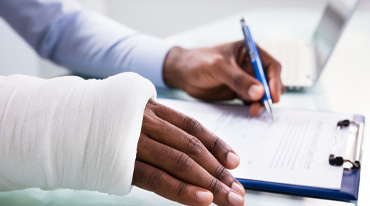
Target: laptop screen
x: 336, y: 15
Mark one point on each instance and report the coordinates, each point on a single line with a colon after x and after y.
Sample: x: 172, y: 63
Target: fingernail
x: 233, y: 159
x: 235, y: 199
x: 261, y: 110
x: 238, y: 188
x: 255, y: 91
x: 204, y: 197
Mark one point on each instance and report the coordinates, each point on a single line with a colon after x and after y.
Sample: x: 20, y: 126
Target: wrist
x: 174, y: 67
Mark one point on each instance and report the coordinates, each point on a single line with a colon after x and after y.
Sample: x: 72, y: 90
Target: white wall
x: 156, y: 17
x: 167, y: 17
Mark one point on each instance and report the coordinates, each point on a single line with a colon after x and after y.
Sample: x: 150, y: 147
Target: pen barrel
x: 261, y: 78
x: 255, y: 60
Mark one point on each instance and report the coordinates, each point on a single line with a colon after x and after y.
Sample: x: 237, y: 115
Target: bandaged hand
x: 107, y: 135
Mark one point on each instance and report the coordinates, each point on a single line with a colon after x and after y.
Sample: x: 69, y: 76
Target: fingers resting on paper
x: 178, y: 158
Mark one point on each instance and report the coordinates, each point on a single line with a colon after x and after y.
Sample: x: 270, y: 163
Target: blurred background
x: 161, y: 18
x: 166, y: 18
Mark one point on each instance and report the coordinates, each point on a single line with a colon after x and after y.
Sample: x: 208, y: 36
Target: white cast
x: 67, y: 132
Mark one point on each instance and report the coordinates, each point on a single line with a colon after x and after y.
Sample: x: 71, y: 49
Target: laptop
x: 302, y: 61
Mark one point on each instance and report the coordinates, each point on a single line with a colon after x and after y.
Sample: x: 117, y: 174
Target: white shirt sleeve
x: 72, y: 133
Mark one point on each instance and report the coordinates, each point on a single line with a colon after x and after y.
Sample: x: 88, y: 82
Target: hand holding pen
x: 255, y: 60
x: 222, y: 72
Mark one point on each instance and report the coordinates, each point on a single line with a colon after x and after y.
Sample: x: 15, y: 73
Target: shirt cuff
x: 150, y: 55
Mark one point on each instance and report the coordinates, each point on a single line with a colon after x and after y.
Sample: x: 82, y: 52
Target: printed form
x: 294, y: 149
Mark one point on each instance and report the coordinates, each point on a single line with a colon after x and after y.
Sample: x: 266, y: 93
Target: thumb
x: 246, y: 86
x: 255, y: 91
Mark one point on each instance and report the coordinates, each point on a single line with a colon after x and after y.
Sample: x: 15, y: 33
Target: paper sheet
x: 294, y: 149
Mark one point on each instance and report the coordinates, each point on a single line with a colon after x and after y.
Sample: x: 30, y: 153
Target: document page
x: 293, y: 149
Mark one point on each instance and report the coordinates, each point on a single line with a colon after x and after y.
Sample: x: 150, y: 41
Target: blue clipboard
x: 348, y: 191
x: 349, y: 187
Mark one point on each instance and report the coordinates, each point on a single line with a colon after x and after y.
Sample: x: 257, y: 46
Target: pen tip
x: 272, y: 118
x: 268, y: 107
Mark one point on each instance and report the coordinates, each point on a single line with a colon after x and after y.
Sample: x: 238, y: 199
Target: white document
x: 294, y: 149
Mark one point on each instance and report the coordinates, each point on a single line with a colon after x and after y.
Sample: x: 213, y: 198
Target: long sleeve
x: 84, y: 41
x: 71, y: 133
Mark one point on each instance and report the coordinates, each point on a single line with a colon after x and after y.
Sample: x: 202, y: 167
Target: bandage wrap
x: 72, y: 133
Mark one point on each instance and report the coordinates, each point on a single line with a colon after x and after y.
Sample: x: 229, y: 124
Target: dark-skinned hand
x: 181, y: 160
x: 222, y: 72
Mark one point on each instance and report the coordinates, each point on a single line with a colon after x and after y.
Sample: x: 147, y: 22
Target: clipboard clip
x: 339, y: 160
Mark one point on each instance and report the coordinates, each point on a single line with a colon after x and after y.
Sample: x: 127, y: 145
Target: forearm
x: 70, y: 133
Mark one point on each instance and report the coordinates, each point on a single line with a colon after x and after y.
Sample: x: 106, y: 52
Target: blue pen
x: 257, y: 66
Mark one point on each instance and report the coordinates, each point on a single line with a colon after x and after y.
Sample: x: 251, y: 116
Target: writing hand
x: 222, y: 72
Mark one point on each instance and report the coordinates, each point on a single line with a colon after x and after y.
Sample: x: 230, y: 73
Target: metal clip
x: 338, y: 160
